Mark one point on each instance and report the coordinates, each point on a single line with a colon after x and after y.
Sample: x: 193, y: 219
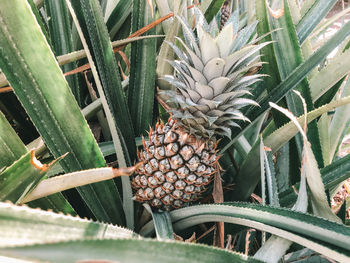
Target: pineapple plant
x: 180, y: 157
x: 210, y: 83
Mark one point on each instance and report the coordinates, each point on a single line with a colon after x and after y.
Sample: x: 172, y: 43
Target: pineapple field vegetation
x: 174, y: 131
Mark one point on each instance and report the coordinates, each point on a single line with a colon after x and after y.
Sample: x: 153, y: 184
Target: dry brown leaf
x: 218, y: 196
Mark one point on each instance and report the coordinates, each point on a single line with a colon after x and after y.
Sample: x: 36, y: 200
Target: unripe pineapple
x: 179, y: 159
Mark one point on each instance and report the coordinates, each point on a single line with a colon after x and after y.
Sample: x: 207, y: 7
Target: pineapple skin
x: 176, y: 167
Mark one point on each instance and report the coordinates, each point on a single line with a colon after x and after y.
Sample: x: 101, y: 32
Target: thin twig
x: 136, y: 33
x: 6, y: 89
x: 206, y: 232
x: 218, y: 196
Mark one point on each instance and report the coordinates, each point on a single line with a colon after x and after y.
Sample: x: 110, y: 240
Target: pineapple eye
x: 167, y: 200
x: 171, y: 177
x: 182, y: 172
x: 159, y: 192
x: 178, y: 203
x: 170, y: 136
x: 154, y: 163
x: 153, y: 138
x: 152, y: 182
x: 177, y: 193
x: 198, y: 189
x: 148, y: 168
x: 189, y: 189
x: 186, y: 197
x: 151, y: 150
x: 143, y: 180
x: 180, y: 184
x: 159, y: 177
x: 164, y: 165
x: 171, y: 149
x: 136, y: 180
x: 186, y: 152
x: 149, y: 193
x: 193, y: 163
x: 160, y: 151
x: 141, y: 169
x: 168, y: 187
x: 205, y: 157
x: 205, y: 180
x: 146, y: 156
x: 191, y: 178
x: 166, y: 128
x: 140, y: 194
x: 201, y: 168
x: 176, y: 161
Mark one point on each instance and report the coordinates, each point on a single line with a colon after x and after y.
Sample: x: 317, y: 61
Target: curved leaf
x: 20, y: 225
x: 313, y: 17
x: 127, y: 250
x: 142, y: 70
x: 17, y: 180
x: 316, y: 233
x: 249, y: 173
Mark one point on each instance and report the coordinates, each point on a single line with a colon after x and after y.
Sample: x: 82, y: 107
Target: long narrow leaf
x: 248, y: 176
x: 339, y: 123
x: 60, y: 33
x: 11, y: 146
x: 20, y: 225
x: 19, y: 179
x: 286, y: 39
x: 91, y: 22
x: 118, y: 16
x: 142, y: 70
x: 335, y: 70
x: 110, y: 119
x: 126, y: 250
x: 332, y: 175
x: 313, y: 17
x: 162, y: 224
x: 317, y: 192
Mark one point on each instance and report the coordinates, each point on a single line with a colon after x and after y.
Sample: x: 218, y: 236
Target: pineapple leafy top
x: 212, y: 76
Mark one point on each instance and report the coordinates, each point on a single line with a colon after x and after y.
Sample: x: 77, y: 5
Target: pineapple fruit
x: 210, y: 83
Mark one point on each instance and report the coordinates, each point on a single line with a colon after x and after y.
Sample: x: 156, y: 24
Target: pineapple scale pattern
x: 176, y: 167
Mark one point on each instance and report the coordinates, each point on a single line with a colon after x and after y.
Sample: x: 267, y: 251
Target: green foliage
x: 37, y: 44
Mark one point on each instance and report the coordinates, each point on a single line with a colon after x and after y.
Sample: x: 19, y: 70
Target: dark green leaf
x: 92, y: 23
x: 127, y: 250
x: 118, y: 17
x: 20, y: 225
x: 313, y: 17
x: 213, y: 9
x: 17, y: 180
x: 60, y: 33
x: 142, y: 70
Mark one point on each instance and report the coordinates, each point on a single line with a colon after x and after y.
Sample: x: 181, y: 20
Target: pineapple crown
x: 211, y: 80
